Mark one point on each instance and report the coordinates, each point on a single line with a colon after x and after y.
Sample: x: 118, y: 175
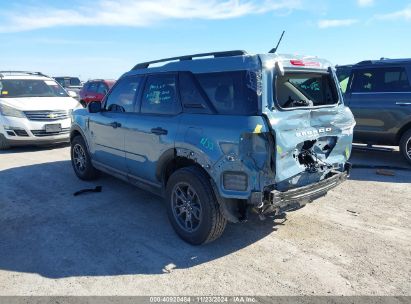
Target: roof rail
x: 99, y: 79
x: 145, y: 65
x: 365, y: 62
x: 384, y: 60
x: 23, y: 72
x: 65, y: 77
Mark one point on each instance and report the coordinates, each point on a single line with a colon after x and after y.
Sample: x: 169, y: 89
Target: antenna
x: 275, y: 49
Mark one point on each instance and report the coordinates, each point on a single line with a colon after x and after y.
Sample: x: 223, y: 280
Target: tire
x: 405, y: 145
x: 81, y: 161
x: 83, y: 103
x: 209, y: 224
x: 4, y: 145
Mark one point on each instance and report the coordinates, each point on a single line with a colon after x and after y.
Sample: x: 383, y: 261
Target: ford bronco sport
x: 218, y: 135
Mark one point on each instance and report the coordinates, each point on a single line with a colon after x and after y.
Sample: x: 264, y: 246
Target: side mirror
x: 94, y: 107
x: 72, y: 94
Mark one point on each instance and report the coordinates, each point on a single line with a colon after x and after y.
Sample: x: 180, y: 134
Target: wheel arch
x: 77, y: 131
x: 170, y: 161
x: 403, y: 129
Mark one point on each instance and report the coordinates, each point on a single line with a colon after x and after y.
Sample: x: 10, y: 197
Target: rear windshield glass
x: 10, y: 88
x: 67, y: 82
x: 305, y: 90
x: 231, y: 93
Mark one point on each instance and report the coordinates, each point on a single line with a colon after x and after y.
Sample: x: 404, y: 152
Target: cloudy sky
x: 105, y: 38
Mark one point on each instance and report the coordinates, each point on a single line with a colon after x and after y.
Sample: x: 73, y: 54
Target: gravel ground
x: 354, y: 241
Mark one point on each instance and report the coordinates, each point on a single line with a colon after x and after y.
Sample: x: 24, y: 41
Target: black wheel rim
x: 408, y: 148
x: 186, y: 207
x: 79, y: 158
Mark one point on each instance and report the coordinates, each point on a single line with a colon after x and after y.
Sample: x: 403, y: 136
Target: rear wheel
x: 81, y: 161
x: 405, y: 145
x: 4, y: 145
x: 192, y: 208
x: 83, y: 103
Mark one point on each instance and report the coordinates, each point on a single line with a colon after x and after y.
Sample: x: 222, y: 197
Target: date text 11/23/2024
x: 203, y: 299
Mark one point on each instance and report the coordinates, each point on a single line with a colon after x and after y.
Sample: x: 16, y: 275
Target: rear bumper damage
x: 280, y: 201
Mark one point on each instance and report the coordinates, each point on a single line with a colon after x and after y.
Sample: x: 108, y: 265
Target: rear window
x: 67, y: 82
x: 14, y: 88
x: 231, y: 93
x: 305, y: 90
x: 92, y: 87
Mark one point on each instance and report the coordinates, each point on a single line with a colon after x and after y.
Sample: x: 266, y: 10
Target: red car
x: 95, y: 90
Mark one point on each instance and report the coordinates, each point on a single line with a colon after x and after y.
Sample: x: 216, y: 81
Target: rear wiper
x: 299, y: 103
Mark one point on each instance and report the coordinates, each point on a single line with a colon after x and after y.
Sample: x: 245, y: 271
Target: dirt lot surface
x: 354, y: 241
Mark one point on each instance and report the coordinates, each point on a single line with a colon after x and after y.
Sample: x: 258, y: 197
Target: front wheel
x: 405, y: 145
x: 192, y: 208
x: 81, y: 161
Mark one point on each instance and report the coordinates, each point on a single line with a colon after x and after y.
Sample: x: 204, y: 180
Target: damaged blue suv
x: 219, y: 135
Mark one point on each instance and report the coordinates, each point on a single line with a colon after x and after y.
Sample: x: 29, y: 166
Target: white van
x: 34, y: 109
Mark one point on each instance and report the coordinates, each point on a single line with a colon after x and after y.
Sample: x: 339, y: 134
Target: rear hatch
x: 311, y: 125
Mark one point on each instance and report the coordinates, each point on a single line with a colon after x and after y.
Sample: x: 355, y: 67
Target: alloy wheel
x: 408, y: 147
x: 186, y: 207
x: 79, y: 157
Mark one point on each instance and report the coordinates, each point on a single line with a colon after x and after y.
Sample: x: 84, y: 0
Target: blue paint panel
x: 264, y: 147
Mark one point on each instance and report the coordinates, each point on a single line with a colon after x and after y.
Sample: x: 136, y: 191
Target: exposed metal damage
x: 283, y: 158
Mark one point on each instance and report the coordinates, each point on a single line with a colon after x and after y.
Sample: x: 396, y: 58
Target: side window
x: 121, y: 98
x: 102, y: 88
x: 160, y: 95
x: 343, y: 75
x: 92, y: 87
x: 393, y: 79
x: 365, y: 81
x: 231, y: 93
x: 192, y: 99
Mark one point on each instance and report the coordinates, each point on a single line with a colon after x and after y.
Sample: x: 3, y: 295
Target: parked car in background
x: 95, y: 90
x: 378, y: 93
x: 214, y: 138
x: 34, y: 109
x: 70, y: 83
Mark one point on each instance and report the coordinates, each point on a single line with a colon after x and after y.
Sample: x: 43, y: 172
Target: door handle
x: 403, y: 103
x: 115, y: 124
x: 159, y: 131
